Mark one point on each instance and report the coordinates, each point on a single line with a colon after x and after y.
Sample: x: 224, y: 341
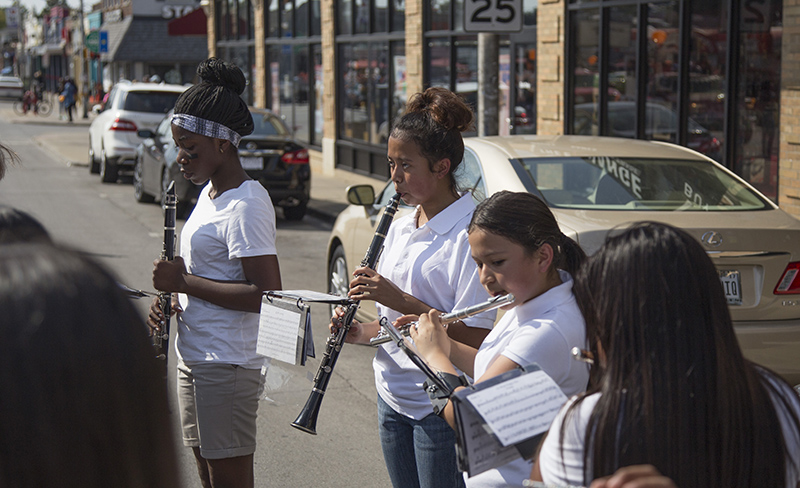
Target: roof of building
x: 147, y: 39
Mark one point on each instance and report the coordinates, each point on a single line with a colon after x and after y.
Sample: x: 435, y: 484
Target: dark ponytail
x: 218, y: 96
x: 525, y: 219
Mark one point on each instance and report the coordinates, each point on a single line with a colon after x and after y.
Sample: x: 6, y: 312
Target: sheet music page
x: 482, y: 450
x: 519, y: 408
x: 278, y: 331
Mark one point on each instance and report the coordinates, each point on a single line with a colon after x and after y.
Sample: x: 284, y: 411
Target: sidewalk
x: 328, y: 192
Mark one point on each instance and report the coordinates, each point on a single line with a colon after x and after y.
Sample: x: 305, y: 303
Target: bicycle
x: 40, y: 107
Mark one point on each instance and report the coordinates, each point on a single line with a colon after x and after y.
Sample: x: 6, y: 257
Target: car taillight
x: 295, y: 157
x: 123, y: 125
x: 789, y: 284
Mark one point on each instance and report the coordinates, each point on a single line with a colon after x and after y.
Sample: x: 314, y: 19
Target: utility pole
x: 84, y: 67
x: 488, y: 86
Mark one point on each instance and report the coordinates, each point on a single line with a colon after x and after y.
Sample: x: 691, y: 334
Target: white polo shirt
x: 238, y: 223
x: 542, y: 330
x: 432, y: 263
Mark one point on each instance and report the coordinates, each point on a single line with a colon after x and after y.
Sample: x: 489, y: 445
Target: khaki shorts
x: 218, y: 405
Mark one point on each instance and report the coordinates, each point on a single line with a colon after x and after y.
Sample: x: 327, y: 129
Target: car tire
x: 295, y: 213
x: 94, y: 164
x: 138, y: 185
x: 338, y: 274
x: 108, y: 170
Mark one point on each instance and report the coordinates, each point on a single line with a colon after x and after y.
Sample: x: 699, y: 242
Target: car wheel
x: 94, y: 164
x: 338, y: 275
x: 108, y: 170
x: 138, y: 186
x: 295, y: 213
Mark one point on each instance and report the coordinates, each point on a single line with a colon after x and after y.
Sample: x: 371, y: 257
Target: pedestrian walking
x: 69, y: 92
x: 227, y: 259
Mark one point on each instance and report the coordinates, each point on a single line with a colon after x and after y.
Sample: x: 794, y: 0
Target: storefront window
x: 355, y: 79
x: 439, y: 17
x: 345, y: 20
x: 524, y: 116
x: 439, y: 59
x: 663, y: 53
x: 294, y: 71
x: 585, y: 28
x: 757, y: 95
x: 398, y: 15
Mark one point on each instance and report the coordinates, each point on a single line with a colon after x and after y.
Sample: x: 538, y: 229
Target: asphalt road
x: 105, y: 221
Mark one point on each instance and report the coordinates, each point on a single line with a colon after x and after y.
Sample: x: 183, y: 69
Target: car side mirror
x: 96, y: 109
x: 362, y: 195
x: 146, y: 134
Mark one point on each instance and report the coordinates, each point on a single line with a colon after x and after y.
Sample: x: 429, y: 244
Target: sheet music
x: 519, y: 408
x: 278, y: 332
x: 482, y: 451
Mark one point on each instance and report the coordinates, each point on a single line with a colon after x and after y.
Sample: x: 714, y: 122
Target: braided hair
x: 218, y: 96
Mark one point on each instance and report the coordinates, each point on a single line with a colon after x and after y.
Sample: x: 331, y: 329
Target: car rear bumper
x: 774, y: 344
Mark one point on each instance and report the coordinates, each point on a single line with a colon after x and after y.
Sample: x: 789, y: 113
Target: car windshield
x: 268, y: 125
x: 156, y: 102
x: 613, y: 183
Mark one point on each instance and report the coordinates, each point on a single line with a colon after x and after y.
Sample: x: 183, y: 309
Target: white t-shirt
x: 238, y: 223
x: 569, y: 469
x: 432, y: 263
x: 543, y: 331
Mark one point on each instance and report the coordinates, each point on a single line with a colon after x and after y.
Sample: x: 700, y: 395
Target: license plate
x: 252, y: 162
x: 732, y: 285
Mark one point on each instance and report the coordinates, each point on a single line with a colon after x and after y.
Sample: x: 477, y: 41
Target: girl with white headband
x: 227, y: 259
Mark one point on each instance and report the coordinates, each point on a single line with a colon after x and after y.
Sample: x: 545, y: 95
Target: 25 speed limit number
x: 492, y: 15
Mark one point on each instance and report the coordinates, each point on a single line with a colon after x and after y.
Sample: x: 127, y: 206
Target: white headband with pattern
x: 206, y: 127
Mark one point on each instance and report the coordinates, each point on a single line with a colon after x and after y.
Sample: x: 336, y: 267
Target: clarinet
x: 307, y: 420
x: 161, y: 338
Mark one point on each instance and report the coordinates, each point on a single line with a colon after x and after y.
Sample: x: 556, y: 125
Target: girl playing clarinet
x: 425, y: 263
x: 227, y: 259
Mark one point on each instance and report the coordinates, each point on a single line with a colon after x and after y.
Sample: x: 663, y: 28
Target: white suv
x: 131, y: 107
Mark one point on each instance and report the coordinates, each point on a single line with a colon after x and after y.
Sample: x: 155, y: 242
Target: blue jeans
x: 418, y: 453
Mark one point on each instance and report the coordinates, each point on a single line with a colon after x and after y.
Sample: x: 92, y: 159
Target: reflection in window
x: 757, y: 95
x: 355, y: 78
x: 586, y: 71
x: 318, y: 92
x: 439, y: 59
x: 273, y: 19
x: 663, y: 48
x: 439, y: 14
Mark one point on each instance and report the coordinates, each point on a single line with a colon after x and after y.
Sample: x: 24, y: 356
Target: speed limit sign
x: 492, y: 15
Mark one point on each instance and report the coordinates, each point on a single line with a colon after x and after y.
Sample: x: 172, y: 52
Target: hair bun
x: 445, y: 107
x: 217, y: 72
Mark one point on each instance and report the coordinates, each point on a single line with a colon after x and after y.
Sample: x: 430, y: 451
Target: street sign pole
x: 489, y: 19
x: 85, y: 66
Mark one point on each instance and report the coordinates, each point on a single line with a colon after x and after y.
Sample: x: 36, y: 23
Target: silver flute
x: 446, y: 318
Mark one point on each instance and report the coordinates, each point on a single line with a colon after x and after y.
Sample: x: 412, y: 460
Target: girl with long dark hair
x: 670, y: 386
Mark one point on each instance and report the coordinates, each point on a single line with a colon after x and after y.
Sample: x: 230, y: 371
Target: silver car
x: 595, y: 184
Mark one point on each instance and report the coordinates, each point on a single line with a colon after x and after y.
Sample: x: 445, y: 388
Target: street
x: 107, y: 223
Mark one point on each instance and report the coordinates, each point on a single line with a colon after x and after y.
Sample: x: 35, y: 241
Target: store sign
x: 493, y: 15
x: 175, y: 11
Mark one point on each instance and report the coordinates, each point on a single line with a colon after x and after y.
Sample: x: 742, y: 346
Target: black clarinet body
x: 161, y: 338
x: 307, y: 420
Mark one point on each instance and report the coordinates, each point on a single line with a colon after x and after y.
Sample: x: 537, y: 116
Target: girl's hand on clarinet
x: 336, y: 323
x: 369, y: 285
x: 155, y: 318
x: 169, y: 275
x: 402, y: 322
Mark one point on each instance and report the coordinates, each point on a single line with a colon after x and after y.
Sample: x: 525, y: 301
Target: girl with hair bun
x: 227, y: 259
x: 425, y: 264
x: 519, y: 249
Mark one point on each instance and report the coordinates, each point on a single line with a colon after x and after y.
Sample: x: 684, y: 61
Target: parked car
x: 661, y: 124
x: 11, y: 87
x: 269, y: 155
x: 113, y: 134
x: 596, y: 184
